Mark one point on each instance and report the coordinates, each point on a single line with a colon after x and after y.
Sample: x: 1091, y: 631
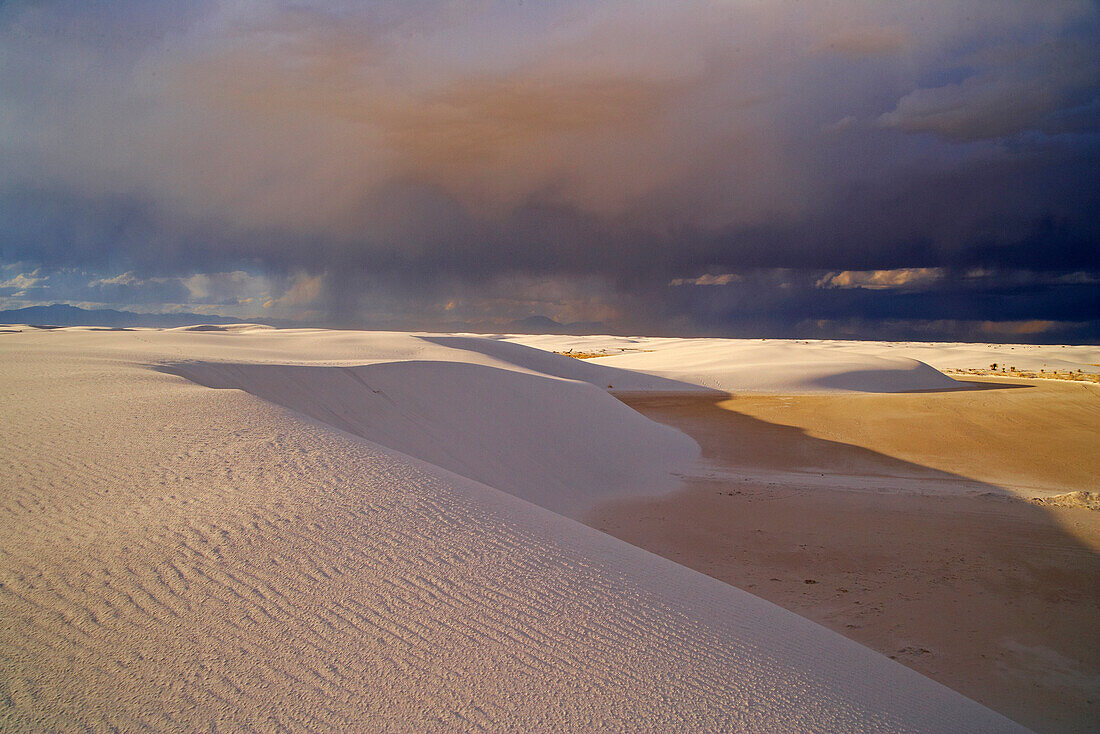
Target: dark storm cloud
x: 1054, y: 307
x: 1031, y: 206
x: 432, y: 161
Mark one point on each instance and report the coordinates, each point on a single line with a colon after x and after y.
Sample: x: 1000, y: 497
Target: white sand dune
x: 799, y: 366
x: 561, y: 444
x: 180, y: 557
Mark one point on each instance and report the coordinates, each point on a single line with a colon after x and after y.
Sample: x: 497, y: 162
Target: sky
x: 771, y: 168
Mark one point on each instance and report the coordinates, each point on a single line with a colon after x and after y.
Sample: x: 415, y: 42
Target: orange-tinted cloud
x: 1019, y: 328
x: 881, y: 279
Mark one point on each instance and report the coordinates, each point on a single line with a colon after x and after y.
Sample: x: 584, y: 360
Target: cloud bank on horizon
x: 780, y: 168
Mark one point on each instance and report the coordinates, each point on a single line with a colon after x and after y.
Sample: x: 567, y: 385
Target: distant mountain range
x: 60, y: 314
x: 547, y: 325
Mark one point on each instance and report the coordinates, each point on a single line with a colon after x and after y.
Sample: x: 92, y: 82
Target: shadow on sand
x: 982, y: 591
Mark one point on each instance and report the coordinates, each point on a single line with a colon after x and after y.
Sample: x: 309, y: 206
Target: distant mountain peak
x: 539, y: 324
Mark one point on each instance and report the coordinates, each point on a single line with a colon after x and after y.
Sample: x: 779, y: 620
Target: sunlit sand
x: 242, y: 527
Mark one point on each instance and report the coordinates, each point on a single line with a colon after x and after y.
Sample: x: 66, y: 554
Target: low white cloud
x: 21, y: 282
x: 709, y: 279
x: 305, y: 289
x: 130, y: 289
x: 882, y: 279
x: 127, y: 278
x: 227, y: 288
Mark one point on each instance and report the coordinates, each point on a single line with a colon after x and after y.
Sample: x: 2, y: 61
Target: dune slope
x: 564, y: 445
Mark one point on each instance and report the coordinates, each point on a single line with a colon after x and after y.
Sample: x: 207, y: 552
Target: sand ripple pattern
x: 174, y: 557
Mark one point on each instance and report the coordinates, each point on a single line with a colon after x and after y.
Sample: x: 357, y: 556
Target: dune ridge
x: 792, y: 366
